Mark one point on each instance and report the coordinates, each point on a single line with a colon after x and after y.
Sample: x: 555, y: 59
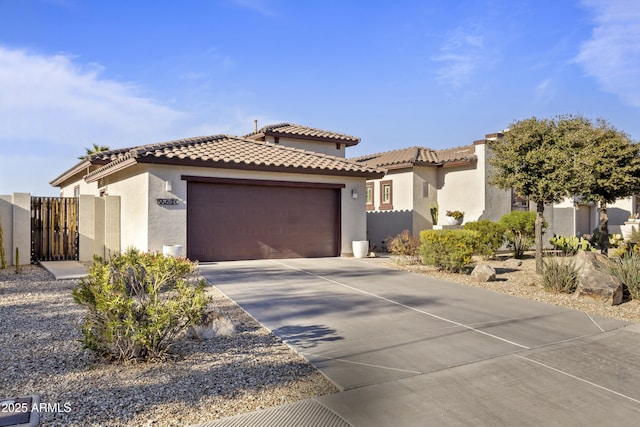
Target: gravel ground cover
x: 40, y: 353
x: 523, y: 282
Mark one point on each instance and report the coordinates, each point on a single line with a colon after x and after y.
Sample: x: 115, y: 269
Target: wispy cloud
x: 50, y: 98
x: 53, y: 106
x: 544, y: 91
x: 612, y: 54
x: 461, y: 56
x: 259, y: 6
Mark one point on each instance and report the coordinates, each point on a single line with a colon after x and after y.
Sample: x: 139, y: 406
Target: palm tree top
x: 93, y: 150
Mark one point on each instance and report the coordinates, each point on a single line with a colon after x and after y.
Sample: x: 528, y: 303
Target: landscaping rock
x: 483, y: 273
x: 513, y: 263
x: 595, y: 283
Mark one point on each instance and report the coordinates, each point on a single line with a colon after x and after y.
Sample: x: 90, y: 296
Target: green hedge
x: 449, y: 250
x: 490, y: 237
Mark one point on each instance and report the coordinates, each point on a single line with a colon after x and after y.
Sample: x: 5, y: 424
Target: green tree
x: 533, y: 159
x: 93, y: 150
x: 606, y: 168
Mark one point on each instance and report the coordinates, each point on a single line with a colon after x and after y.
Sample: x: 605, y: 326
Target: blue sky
x: 435, y: 73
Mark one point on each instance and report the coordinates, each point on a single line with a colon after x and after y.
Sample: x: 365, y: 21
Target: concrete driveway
x: 411, y: 350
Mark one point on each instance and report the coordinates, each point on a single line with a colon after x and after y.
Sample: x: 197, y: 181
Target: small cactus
x: 3, y: 256
x: 17, y: 261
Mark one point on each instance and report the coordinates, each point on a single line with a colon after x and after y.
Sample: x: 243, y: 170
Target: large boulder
x: 483, y: 273
x: 595, y: 283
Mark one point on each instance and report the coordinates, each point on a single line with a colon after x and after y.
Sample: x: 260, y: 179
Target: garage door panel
x: 232, y: 222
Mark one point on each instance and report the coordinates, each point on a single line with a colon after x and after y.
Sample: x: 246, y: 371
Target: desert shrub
x: 559, y: 275
x: 404, y: 245
x: 449, y: 250
x: 571, y: 245
x: 519, y: 231
x: 627, y: 269
x: 490, y: 237
x: 138, y: 303
x: 625, y: 249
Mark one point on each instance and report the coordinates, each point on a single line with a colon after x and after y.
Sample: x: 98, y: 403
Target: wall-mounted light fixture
x: 354, y: 193
x: 168, y: 185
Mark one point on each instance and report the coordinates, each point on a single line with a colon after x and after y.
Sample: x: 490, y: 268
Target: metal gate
x: 54, y: 229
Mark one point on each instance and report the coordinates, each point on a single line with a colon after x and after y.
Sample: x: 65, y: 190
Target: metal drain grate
x: 308, y: 413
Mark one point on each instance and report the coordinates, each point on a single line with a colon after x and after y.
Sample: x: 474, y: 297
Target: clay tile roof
x: 303, y: 132
x: 225, y: 151
x: 412, y: 156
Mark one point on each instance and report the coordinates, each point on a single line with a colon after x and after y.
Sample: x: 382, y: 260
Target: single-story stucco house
x: 282, y: 191
x: 418, y: 179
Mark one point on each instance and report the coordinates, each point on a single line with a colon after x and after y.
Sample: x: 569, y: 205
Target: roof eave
x: 111, y: 169
x: 347, y: 142
x: 78, y: 168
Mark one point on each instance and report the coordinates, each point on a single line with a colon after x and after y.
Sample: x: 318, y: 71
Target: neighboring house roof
x: 419, y: 156
x: 302, y: 132
x: 220, y: 151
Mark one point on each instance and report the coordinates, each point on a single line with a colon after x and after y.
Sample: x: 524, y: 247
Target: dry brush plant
x: 138, y: 303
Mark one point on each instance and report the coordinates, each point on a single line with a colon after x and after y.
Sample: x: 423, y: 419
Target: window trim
x: 388, y: 205
x: 370, y: 205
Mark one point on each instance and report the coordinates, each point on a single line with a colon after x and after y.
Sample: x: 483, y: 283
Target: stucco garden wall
x: 15, y: 217
x: 132, y: 186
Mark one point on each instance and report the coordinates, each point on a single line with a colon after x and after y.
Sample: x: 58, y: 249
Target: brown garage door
x: 238, y: 220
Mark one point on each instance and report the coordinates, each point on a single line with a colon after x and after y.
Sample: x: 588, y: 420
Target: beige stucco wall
x: 85, y: 188
x: 462, y: 189
x: 148, y: 226
x: 319, y: 147
x: 6, y: 222
x: 587, y: 216
x: 132, y: 185
x: 422, y: 205
x: 15, y: 217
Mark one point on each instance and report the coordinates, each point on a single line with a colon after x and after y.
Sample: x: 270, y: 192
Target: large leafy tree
x: 606, y: 168
x: 533, y: 159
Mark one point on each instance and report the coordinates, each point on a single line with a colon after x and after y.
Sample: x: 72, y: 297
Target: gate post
x: 112, y: 226
x: 98, y: 226
x: 86, y: 227
x: 21, y: 228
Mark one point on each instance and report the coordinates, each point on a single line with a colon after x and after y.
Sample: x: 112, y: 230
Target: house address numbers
x: 164, y: 202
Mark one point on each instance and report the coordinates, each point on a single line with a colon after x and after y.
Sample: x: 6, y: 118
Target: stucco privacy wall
x: 132, y: 186
x: 15, y: 216
x: 407, y: 192
x: 425, y: 197
x: 98, y: 226
x: 148, y: 225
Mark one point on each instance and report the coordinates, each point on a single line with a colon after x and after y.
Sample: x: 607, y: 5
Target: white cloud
x: 50, y: 98
x: 612, y: 55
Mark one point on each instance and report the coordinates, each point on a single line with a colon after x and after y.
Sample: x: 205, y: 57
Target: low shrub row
x: 452, y: 249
